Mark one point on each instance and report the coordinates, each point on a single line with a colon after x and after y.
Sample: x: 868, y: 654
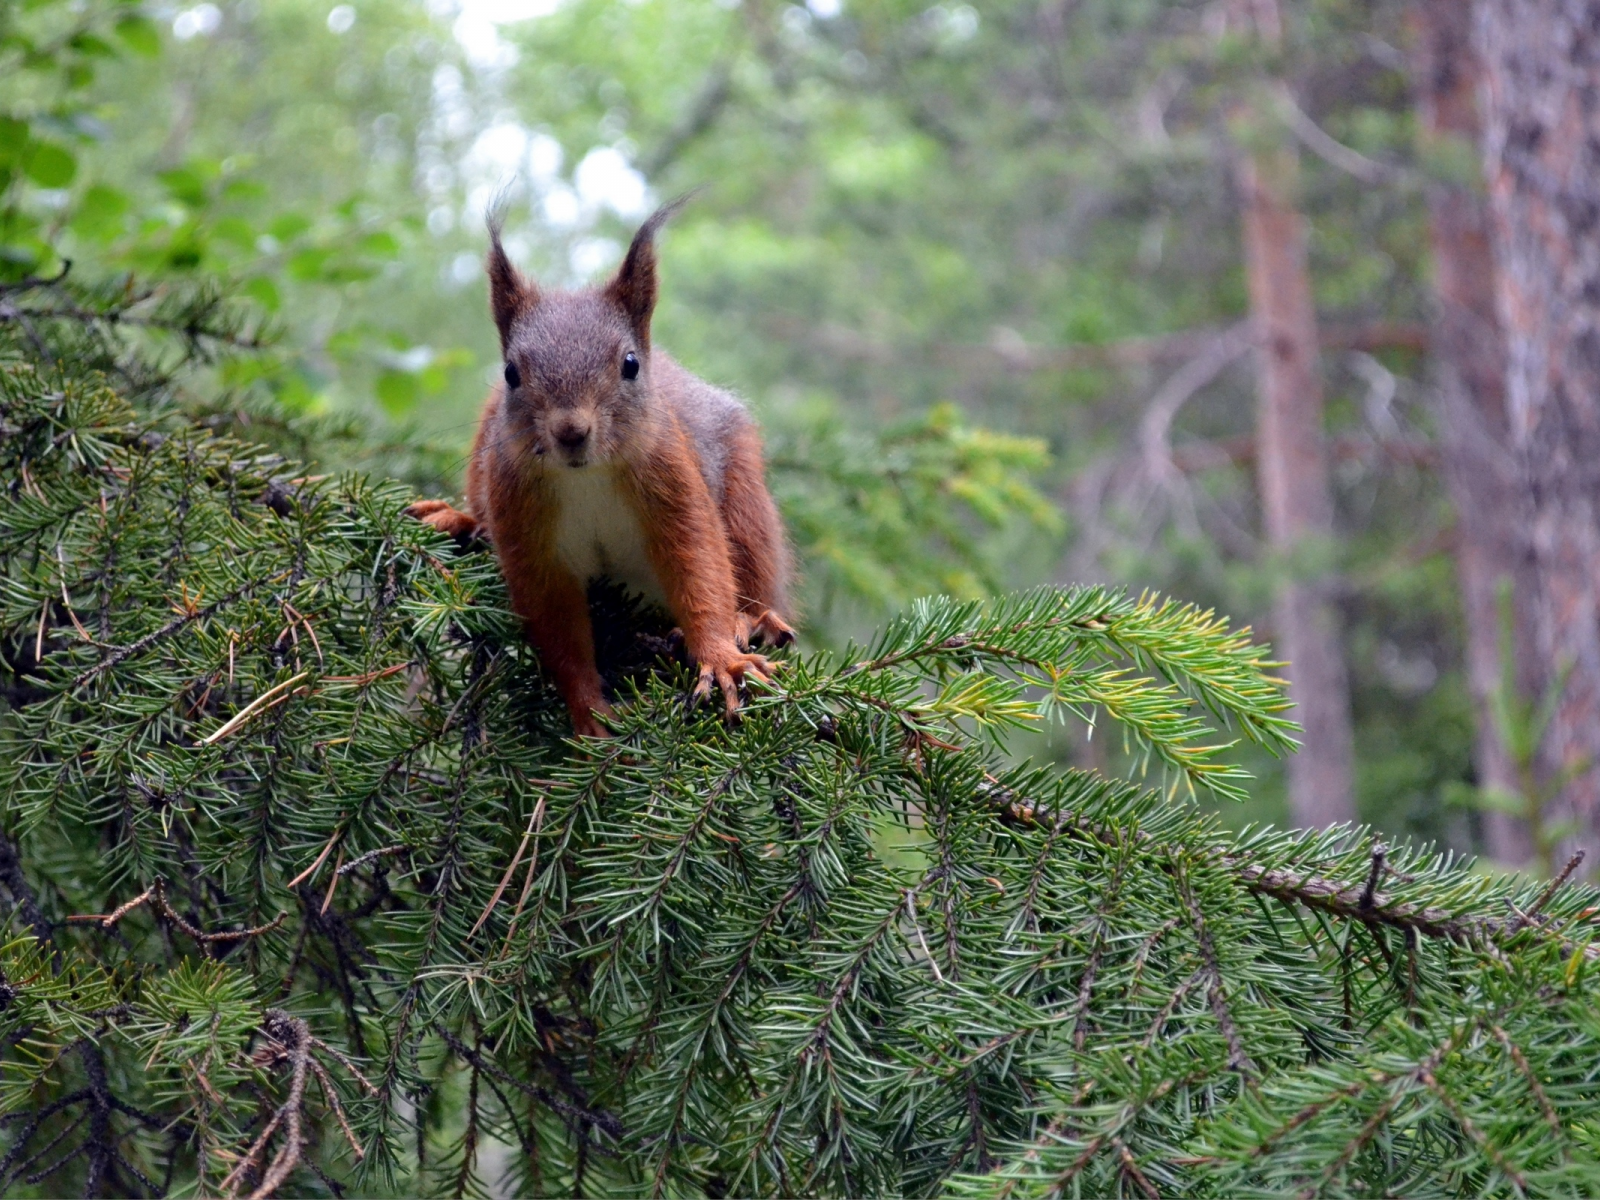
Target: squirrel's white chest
x: 598, y: 532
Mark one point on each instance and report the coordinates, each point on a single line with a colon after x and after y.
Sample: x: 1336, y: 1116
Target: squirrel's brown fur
x: 655, y: 481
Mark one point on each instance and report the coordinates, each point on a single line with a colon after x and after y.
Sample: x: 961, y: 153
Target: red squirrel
x: 600, y: 456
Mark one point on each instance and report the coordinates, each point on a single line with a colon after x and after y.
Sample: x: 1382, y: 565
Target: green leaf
x: 100, y: 212
x: 13, y: 138
x: 140, y: 35
x: 236, y: 232
x: 309, y: 265
x: 296, y: 395
x: 397, y: 392
x: 264, y: 292
x: 245, y: 189
x: 21, y: 257
x: 92, y: 46
x: 379, y: 245
x: 187, y: 250
x: 185, y: 185
x: 288, y: 226
x: 50, y: 165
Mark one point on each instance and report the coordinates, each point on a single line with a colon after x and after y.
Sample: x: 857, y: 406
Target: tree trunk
x: 1541, y: 92
x: 1292, y: 460
x: 1292, y: 469
x: 1469, y: 364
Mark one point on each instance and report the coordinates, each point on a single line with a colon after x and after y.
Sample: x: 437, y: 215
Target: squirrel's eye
x: 630, y: 365
x: 513, y: 376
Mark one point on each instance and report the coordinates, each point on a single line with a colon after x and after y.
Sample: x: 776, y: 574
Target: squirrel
x: 601, y: 456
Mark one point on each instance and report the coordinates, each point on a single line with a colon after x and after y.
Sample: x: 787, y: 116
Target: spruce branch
x: 156, y: 897
x: 1216, y: 994
x: 853, y: 945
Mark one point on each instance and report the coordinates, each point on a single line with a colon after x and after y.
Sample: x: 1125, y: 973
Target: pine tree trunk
x: 1541, y: 62
x: 1297, y: 505
x: 1469, y: 366
x: 1292, y: 461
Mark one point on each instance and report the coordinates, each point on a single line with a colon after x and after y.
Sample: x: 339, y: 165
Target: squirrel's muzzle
x: 573, y: 438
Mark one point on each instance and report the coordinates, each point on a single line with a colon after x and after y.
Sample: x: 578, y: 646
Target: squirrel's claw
x: 730, y: 676
x: 588, y: 724
x: 766, y: 629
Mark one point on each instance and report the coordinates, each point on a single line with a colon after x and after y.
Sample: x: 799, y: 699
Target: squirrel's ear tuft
x: 634, y: 288
x: 510, y: 293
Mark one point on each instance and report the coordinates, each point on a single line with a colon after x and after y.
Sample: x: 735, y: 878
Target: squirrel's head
x: 577, y: 364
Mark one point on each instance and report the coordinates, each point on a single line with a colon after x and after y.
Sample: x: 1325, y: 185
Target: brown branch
x: 1473, y: 1131
x: 1334, y: 152
x: 295, y: 1036
x: 156, y: 897
x: 115, y: 317
x: 1080, y: 1016
x: 22, y: 896
x: 1370, y: 1130
x: 331, y: 1094
x: 1309, y: 1112
x: 123, y: 653
x: 1379, y: 852
x: 816, y: 1044
x: 1010, y: 353
x: 1080, y: 1021
x: 1240, y: 451
x: 291, y: 1039
x: 1131, y: 1167
x: 1353, y: 1147
x: 585, y: 1117
x: 344, y: 1061
x: 1238, y: 1058
x: 1142, y: 954
x: 1127, y: 1114
x: 1171, y: 1006
x: 1293, y: 887
x: 1156, y: 426
x: 31, y: 282
x: 361, y: 860
x: 710, y: 100
x: 1545, y: 896
x: 1344, y: 900
x: 1526, y: 1068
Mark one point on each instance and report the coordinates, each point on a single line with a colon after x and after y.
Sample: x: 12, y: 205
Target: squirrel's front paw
x: 445, y: 519
x: 729, y: 672
x: 588, y: 725
x: 765, y: 629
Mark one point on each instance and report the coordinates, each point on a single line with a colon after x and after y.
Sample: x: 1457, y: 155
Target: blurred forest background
x: 987, y: 273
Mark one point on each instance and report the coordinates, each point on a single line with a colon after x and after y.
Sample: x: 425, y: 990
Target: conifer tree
x: 309, y: 893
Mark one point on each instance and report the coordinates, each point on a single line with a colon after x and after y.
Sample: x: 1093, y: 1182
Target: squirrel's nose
x: 573, y: 437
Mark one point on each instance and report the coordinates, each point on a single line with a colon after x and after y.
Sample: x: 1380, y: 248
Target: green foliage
x: 296, y: 848
x: 907, y: 510
x: 205, y: 212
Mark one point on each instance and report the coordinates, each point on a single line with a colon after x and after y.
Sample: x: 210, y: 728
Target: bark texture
x: 1292, y: 472
x: 1291, y: 455
x: 1541, y: 97
x: 1469, y: 365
